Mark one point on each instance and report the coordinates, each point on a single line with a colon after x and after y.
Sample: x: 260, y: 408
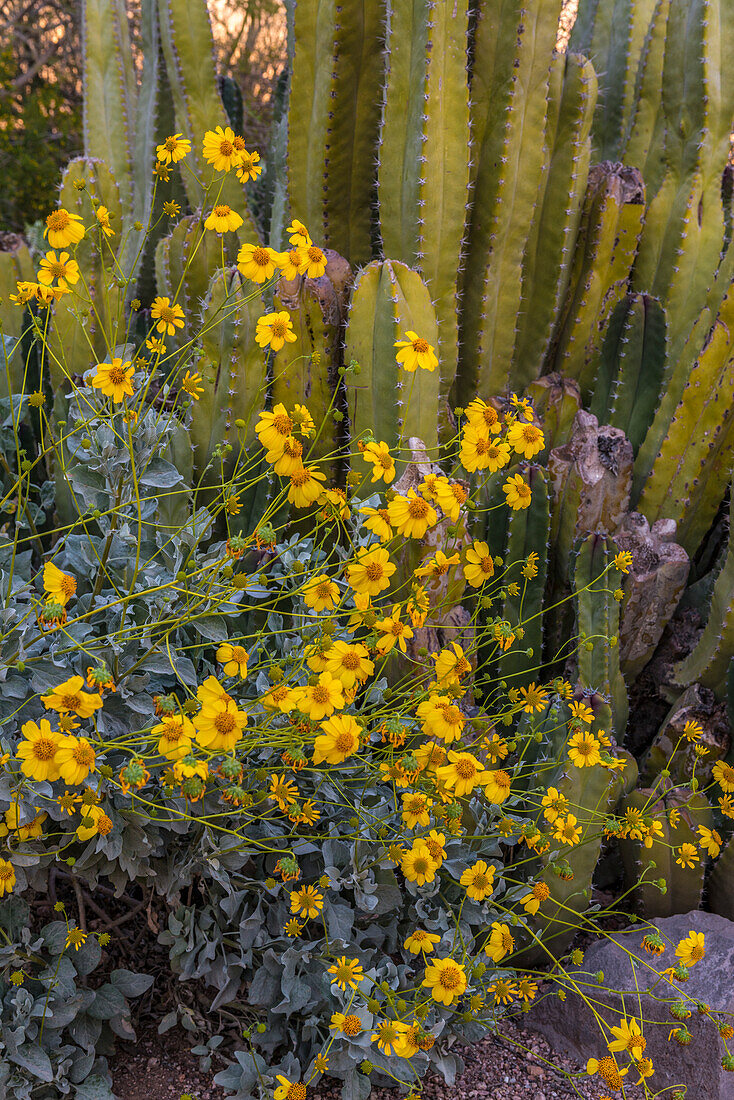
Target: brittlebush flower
x: 483, y: 417
x: 298, y: 234
x: 687, y: 856
x: 257, y: 263
x: 418, y: 864
x: 349, y: 663
x: 173, y: 149
x: 446, y: 980
x: 7, y: 877
x: 723, y: 773
x: 416, y: 808
x: 62, y: 268
x: 313, y: 262
x: 389, y: 1035
x: 60, y: 586
x: 441, y: 717
x: 68, y: 697
x: 321, y: 594
x: 63, y: 229
x: 103, y: 220
x: 479, y: 567
x: 37, y: 752
x: 420, y: 941
x: 289, y: 1090
x: 234, y: 658
x: 383, y: 464
x: 169, y: 317
x: 518, y: 492
x: 223, y: 219
x: 584, y: 750
x: 249, y: 167
x: 274, y: 428
x: 414, y: 352
x: 175, y: 734
x: 393, y: 631
x: 274, y: 330
x: 370, y: 573
x: 567, y: 830
x: 691, y: 949
x: 478, y: 880
x: 192, y: 385
x: 531, y: 902
x: 289, y: 263
x: 411, y: 515
x: 305, y: 487
x: 307, y: 901
x: 76, y: 759
x: 525, y: 439
x: 479, y: 452
x: 463, y: 773
x: 500, y: 943
x: 115, y: 379
x: 220, y: 149
x: 321, y: 699
x: 338, y: 740
x: 710, y: 840
x: 347, y: 973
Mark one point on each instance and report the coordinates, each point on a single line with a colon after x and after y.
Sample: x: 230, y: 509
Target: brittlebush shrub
x: 293, y: 727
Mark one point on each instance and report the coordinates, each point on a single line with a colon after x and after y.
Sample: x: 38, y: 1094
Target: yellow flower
x: 191, y: 384
x: 233, y: 505
x: 220, y: 150
x: 623, y: 561
x: 496, y: 786
x: 479, y: 565
x: 450, y: 497
x: 415, y: 809
x: 283, y: 791
x: 38, y: 752
x: 234, y: 658
x: 95, y: 822
x: 219, y: 723
x: 582, y: 712
x: 75, y: 758
x: 533, y: 698
x: 710, y: 840
x: 555, y: 803
x: 478, y: 880
x: 411, y: 515
x: 338, y: 740
x: 347, y: 973
x: 298, y: 234
x: 307, y: 901
x: 63, y: 229
x: 482, y: 417
x: 441, y: 717
x: 223, y: 219
x: 479, y: 452
x: 274, y: 428
x: 567, y: 830
x: 321, y: 594
x: 437, y: 567
x: 627, y: 1036
x: 348, y: 1025
x: 451, y: 665
x: 383, y: 464
x: 171, y: 209
x: 420, y: 941
x: 274, y: 330
x: 500, y: 942
x: 174, y: 733
x: 687, y: 856
x: 115, y: 379
x: 415, y: 352
x: 289, y: 1090
x: 103, y: 219
x: 60, y: 586
x: 250, y: 167
x: 289, y: 263
x: 531, y: 902
x: 446, y: 980
x: 173, y: 149
x: 463, y: 773
x: 155, y: 344
x: 504, y: 991
x: 584, y: 750
x: 69, y: 697
x: 388, y: 1035
x: 370, y: 573
x: 723, y: 773
x: 64, y: 269
x: 393, y: 631
x: 321, y: 699
x: 517, y: 492
x: 693, y: 731
x: 7, y: 877
x: 313, y: 262
x: 256, y: 262
x: 525, y: 439
x: 169, y: 317
x: 349, y: 663
x: 305, y: 487
x: 691, y: 949
x: 418, y: 865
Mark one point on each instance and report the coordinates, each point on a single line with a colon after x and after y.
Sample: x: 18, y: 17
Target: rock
x: 571, y: 1028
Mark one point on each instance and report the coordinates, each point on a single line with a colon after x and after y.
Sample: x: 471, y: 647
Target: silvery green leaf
x: 94, y: 1088
x: 32, y: 1058
x: 212, y: 627
x: 161, y: 475
x: 129, y: 983
x: 108, y: 1002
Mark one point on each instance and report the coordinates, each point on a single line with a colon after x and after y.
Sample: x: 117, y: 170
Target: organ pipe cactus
x: 15, y: 266
x: 598, y: 627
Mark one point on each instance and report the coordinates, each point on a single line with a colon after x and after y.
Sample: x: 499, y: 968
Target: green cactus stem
x: 597, y: 614
x: 556, y: 401
x: 16, y: 266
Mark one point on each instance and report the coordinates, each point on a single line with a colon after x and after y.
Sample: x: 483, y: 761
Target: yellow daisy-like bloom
x: 274, y: 428
x: 219, y: 725
x: 305, y: 486
x: 623, y: 561
x: 192, y: 385
x: 479, y: 452
x: 289, y: 1090
x: 414, y: 352
x: 350, y: 1025
x: 313, y: 262
x: 500, y: 943
x: 430, y: 756
x: 687, y: 856
x: 388, y: 1035
x: 115, y: 379
x: 483, y: 417
x: 103, y: 220
x: 608, y: 1070
x: 307, y: 901
x: 250, y: 167
x: 710, y: 840
x: 478, y: 880
x: 173, y: 149
x: 220, y: 149
x: 411, y: 515
x: 175, y: 734
x: 283, y: 791
x: 257, y: 263
x: 463, y: 773
x: 321, y: 699
x: 62, y: 268
x: 450, y: 497
x: 76, y: 759
x: 274, y: 330
x: 169, y: 317
x: 298, y: 234
x: 533, y: 698
x: 435, y: 842
x: 446, y: 980
x: 68, y: 697
x: 321, y: 594
x: 441, y: 718
x: 347, y: 973
x: 555, y: 804
x: 38, y: 752
x: 582, y: 712
x: 503, y: 990
x: 156, y: 345
x: 496, y: 786
x: 417, y: 606
x: 525, y: 439
x: 371, y: 571
x: 420, y: 941
x: 451, y: 665
x: 289, y: 263
x: 338, y: 740
x: 63, y: 229
x: 393, y: 631
x: 418, y: 864
x: 518, y: 492
x: 567, y: 830
x: 383, y: 464
x: 415, y: 809
x: 223, y: 219
x: 723, y: 773
x: 584, y: 750
x: 349, y: 663
x: 627, y: 1036
x: 95, y: 822
x: 691, y: 949
x: 234, y: 658
x: 436, y: 567
x: 479, y: 567
x: 7, y: 877
x: 531, y: 902
x: 60, y: 586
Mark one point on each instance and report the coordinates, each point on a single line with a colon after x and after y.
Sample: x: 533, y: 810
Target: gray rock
x: 572, y: 1029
